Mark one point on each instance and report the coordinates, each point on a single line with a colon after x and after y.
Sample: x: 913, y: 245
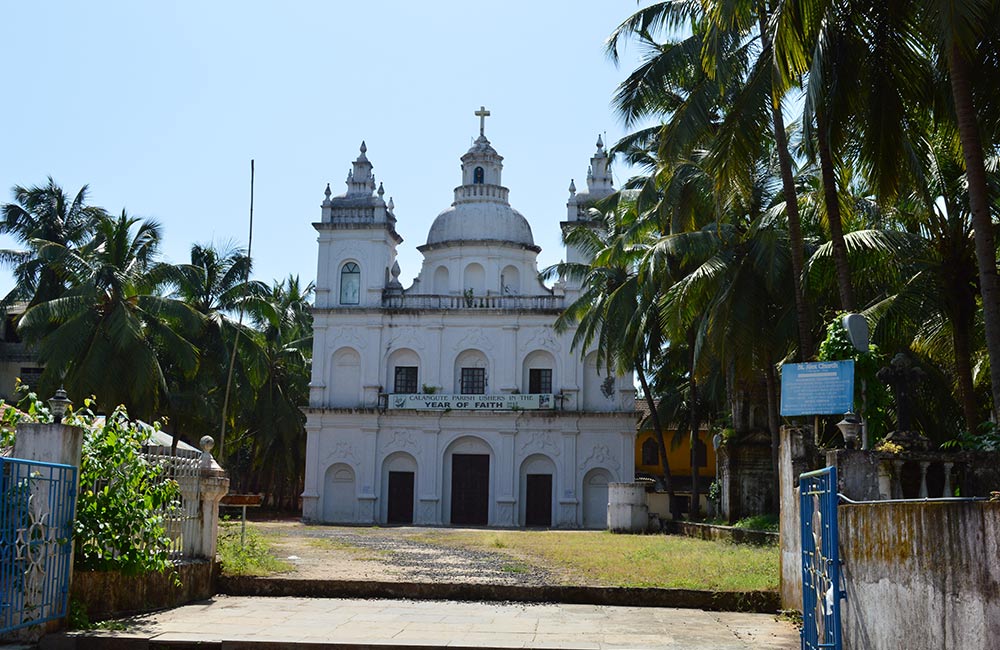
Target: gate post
x: 49, y: 443
x: 58, y: 444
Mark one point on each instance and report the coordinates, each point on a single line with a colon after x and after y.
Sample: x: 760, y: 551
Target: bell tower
x: 599, y: 186
x: 357, y: 241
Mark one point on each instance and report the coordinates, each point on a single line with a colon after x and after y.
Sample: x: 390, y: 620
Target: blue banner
x: 818, y: 388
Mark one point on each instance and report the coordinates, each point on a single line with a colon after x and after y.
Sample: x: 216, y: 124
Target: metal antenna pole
x: 239, y: 327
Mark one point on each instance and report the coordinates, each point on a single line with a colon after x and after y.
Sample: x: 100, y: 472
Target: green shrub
x: 766, y: 523
x: 252, y: 557
x: 123, y: 497
x: 120, y: 506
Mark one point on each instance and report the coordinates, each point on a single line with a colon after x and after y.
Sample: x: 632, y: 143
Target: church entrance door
x: 538, y: 500
x: 470, y: 489
x: 400, y: 506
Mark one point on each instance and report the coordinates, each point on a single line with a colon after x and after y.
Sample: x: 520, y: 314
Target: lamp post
x: 849, y: 428
x: 58, y: 404
x: 856, y: 327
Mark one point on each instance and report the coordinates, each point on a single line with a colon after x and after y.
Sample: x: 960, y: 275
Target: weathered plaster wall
x: 921, y: 575
x: 106, y: 594
x: 795, y: 456
x: 747, y: 477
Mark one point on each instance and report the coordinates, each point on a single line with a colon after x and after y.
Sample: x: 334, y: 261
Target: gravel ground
x: 349, y: 553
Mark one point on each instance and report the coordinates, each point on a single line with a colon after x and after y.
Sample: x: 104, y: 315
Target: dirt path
x: 398, y: 553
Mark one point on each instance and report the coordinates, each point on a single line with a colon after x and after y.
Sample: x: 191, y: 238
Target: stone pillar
x: 570, y: 476
x: 49, y: 443
x: 506, y: 481
x: 201, y: 492
x: 213, y: 488
x: 45, y: 443
x: 796, y: 456
x: 313, y: 480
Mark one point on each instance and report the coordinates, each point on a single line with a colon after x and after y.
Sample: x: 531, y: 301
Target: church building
x: 454, y: 401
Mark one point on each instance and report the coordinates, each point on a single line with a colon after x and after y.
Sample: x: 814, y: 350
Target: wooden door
x: 400, y: 505
x: 538, y: 500
x: 470, y: 489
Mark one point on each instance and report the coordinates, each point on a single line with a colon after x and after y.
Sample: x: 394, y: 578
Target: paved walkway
x: 225, y: 621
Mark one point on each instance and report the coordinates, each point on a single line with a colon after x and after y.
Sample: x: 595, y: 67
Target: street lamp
x: 58, y: 405
x: 849, y: 428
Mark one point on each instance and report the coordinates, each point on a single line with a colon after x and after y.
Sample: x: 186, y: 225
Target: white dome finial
x: 600, y: 143
x: 572, y: 187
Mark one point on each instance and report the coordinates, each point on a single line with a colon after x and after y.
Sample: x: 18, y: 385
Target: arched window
x: 478, y: 176
x: 350, y: 284
x: 650, y: 452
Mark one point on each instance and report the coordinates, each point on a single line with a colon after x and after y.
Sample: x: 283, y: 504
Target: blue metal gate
x: 36, y: 532
x: 821, y: 591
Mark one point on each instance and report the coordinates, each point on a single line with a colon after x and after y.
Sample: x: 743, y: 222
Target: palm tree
x: 214, y: 283
x: 927, y: 270
x: 718, y: 85
x: 44, y: 218
x: 615, y: 313
x: 107, y: 333
x: 277, y: 374
x: 959, y: 28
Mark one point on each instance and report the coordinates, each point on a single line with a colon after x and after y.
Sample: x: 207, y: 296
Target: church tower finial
x: 482, y: 114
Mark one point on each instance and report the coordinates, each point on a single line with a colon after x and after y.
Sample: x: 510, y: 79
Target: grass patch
x: 602, y: 558
x: 252, y: 558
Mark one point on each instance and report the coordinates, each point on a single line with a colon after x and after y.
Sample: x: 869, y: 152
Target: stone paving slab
x: 230, y: 623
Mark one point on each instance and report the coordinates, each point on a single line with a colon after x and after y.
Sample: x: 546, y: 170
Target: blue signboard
x: 819, y: 388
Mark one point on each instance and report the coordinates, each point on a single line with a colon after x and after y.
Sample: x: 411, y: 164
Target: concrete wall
x: 747, y: 477
x: 721, y: 533
x: 795, y: 456
x: 106, y: 594
x: 928, y: 573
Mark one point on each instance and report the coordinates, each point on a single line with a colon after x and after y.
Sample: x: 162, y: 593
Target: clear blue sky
x: 159, y: 107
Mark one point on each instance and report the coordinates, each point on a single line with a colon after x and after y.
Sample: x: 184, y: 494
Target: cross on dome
x: 482, y: 114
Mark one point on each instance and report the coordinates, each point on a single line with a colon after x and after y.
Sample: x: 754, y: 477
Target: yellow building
x: 648, y: 463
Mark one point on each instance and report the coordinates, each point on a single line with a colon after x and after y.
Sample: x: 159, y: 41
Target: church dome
x: 480, y: 221
x: 481, y: 211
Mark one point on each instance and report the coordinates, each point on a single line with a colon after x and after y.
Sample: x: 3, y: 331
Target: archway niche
x: 442, y: 281
x: 510, y: 280
x: 475, y: 279
x: 534, y: 378
x: 345, y: 383
x: 399, y: 488
x: 467, y: 482
x: 339, y: 497
x: 595, y: 498
x: 536, y: 503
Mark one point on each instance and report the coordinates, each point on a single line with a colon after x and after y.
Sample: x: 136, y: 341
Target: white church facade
x: 454, y: 401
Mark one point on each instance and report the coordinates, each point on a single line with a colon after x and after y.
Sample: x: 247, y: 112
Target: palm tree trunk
x: 832, y: 202
x: 694, y: 511
x: 963, y: 369
x: 792, y: 211
x: 654, y: 417
x: 961, y: 334
x: 695, y: 419
x: 975, y: 173
x: 774, y: 424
